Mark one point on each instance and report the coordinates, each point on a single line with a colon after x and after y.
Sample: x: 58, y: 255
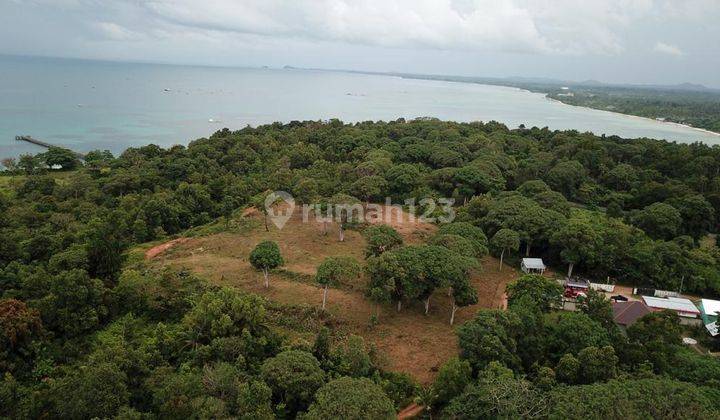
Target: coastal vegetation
x: 699, y: 109
x: 687, y: 104
x: 91, y: 327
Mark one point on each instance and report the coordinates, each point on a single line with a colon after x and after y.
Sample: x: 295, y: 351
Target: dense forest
x: 86, y: 330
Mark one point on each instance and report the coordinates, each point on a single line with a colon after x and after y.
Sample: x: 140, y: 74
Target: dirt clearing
x: 408, y: 341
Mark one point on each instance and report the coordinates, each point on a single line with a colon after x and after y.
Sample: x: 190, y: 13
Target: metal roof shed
x: 532, y: 265
x: 683, y: 307
x: 709, y: 310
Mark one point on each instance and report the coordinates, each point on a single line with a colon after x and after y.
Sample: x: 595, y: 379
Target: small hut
x: 532, y: 266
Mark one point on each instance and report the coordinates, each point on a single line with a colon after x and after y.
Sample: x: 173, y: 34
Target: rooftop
x: 710, y: 307
x: 626, y: 313
x: 671, y: 303
x: 535, y: 263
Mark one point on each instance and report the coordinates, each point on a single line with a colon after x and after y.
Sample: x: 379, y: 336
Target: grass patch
x: 408, y: 341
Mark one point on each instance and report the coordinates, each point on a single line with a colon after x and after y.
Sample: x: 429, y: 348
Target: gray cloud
x: 664, y: 48
x: 554, y: 38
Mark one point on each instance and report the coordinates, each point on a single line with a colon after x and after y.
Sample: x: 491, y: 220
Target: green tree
x: 451, y: 380
x: 454, y: 243
x: 498, y: 395
x: 346, y: 210
x: 463, y: 294
x: 505, y: 240
x: 72, y: 303
x: 597, y: 364
x: 30, y: 164
x: 369, y: 188
x: 572, y: 332
x: 568, y: 369
x: 96, y: 159
x: 381, y: 238
x: 597, y: 306
x: 350, y: 398
x: 58, y: 156
x: 634, y: 398
x: 321, y: 346
x: 294, y: 376
x: 435, y: 267
x: 489, y: 336
x: 105, y: 245
x: 533, y: 223
x: 393, y: 275
x: 97, y: 391
x: 266, y: 256
x: 533, y: 187
x: 578, y: 242
x: 696, y: 212
x: 228, y: 313
x: 478, y: 178
x: 259, y: 202
x: 470, y: 232
x: 334, y: 271
x: 305, y: 191
x: 566, y: 177
x: 545, y: 292
x: 253, y: 402
x: 659, y: 220
x: 403, y: 178
x: 657, y: 337
x: 352, y: 357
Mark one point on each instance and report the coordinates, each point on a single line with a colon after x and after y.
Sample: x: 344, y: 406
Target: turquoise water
x: 88, y: 105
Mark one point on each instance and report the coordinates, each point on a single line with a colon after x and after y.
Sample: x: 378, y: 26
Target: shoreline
x: 703, y: 130
x: 547, y: 96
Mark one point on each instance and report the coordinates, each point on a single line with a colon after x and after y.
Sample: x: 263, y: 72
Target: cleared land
x: 407, y: 341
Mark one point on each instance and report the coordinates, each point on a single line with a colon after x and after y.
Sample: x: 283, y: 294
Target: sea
x: 94, y: 105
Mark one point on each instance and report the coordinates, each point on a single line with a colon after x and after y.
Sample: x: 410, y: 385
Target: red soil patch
x: 159, y: 249
x: 411, y: 411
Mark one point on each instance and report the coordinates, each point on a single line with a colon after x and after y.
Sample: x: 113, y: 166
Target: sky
x: 615, y: 41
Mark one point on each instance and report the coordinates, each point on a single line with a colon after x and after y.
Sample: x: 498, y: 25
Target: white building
x: 683, y: 307
x: 532, y: 265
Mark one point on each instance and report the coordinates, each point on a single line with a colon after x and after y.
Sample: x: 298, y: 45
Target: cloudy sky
x: 629, y: 41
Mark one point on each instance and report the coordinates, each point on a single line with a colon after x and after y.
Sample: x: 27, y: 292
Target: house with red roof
x: 627, y: 313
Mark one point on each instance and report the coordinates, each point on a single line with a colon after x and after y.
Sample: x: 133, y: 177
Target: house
x: 532, y: 265
x: 709, y: 310
x: 683, y: 307
x: 626, y: 313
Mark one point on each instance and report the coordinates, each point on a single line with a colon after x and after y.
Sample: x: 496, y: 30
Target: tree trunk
x: 399, y: 305
x: 325, y: 292
x: 427, y: 305
x: 452, y: 314
x: 267, y: 279
x: 570, y: 268
x: 502, y: 254
x: 527, y: 249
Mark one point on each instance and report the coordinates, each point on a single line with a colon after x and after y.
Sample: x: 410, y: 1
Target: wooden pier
x: 41, y: 143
